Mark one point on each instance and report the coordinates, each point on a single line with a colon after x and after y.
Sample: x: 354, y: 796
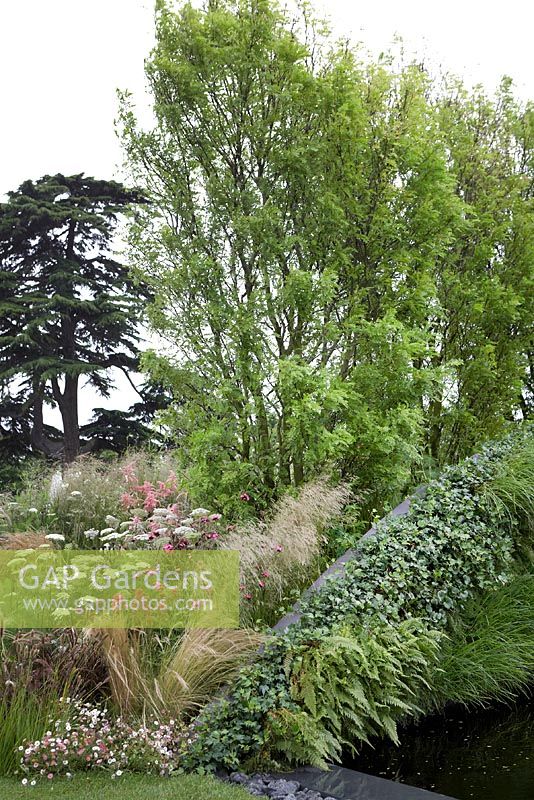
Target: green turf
x: 127, y: 787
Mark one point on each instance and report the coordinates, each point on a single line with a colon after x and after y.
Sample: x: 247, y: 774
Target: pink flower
x: 248, y: 597
x: 151, y: 501
x: 49, y: 776
x: 244, y: 496
x: 127, y: 500
x: 171, y: 482
x: 213, y: 535
x: 215, y: 517
x: 279, y: 548
x: 168, y: 547
x: 266, y: 574
x: 261, y: 584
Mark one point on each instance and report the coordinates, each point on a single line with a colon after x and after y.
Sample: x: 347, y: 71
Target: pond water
x: 468, y: 755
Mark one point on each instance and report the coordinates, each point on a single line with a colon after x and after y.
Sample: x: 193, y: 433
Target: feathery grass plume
x: 66, y: 657
x: 184, y: 676
x: 489, y: 653
x: 123, y: 657
x: 203, y: 661
x: 286, y: 548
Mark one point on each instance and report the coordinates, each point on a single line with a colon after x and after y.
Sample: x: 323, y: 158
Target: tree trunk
x: 68, y: 399
x: 434, y: 439
x: 265, y: 454
x: 69, y: 415
x: 298, y: 470
x: 284, y: 466
x: 37, y: 437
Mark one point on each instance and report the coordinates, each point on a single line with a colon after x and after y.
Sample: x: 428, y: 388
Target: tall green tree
x: 485, y: 282
x: 275, y: 242
x: 68, y: 309
x: 306, y: 214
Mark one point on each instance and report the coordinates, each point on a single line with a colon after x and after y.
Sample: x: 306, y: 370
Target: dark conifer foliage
x: 69, y: 310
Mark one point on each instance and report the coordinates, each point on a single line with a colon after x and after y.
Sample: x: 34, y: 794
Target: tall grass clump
x: 176, y: 675
x: 489, y: 653
x: 38, y: 670
x: 511, y: 490
x: 25, y: 717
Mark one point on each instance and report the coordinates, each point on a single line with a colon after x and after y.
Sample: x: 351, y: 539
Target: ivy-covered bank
x: 368, y: 643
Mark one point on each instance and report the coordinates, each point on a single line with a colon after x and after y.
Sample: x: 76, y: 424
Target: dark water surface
x: 469, y: 755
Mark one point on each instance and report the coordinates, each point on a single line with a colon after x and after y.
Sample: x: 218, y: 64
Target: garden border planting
x: 383, y: 618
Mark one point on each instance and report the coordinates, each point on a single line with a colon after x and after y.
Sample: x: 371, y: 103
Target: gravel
x: 269, y: 786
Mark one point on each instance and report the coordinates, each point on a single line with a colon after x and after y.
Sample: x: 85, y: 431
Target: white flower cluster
x: 90, y: 739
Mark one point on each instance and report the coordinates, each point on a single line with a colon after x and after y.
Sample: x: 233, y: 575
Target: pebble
x: 272, y: 788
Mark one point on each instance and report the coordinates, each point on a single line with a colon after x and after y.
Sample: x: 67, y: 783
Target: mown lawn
x: 127, y: 787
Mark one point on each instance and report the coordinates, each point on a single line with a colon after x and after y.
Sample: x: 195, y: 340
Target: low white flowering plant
x: 89, y: 738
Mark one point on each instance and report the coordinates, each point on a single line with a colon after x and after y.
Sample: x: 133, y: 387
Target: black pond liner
x: 468, y: 754
x: 340, y: 783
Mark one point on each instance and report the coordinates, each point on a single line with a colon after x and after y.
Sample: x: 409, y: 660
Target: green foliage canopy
x: 340, y: 252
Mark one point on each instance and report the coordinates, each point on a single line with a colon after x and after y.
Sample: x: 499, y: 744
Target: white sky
x: 62, y: 60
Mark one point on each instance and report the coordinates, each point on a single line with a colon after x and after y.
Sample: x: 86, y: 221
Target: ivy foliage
x: 363, y: 650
